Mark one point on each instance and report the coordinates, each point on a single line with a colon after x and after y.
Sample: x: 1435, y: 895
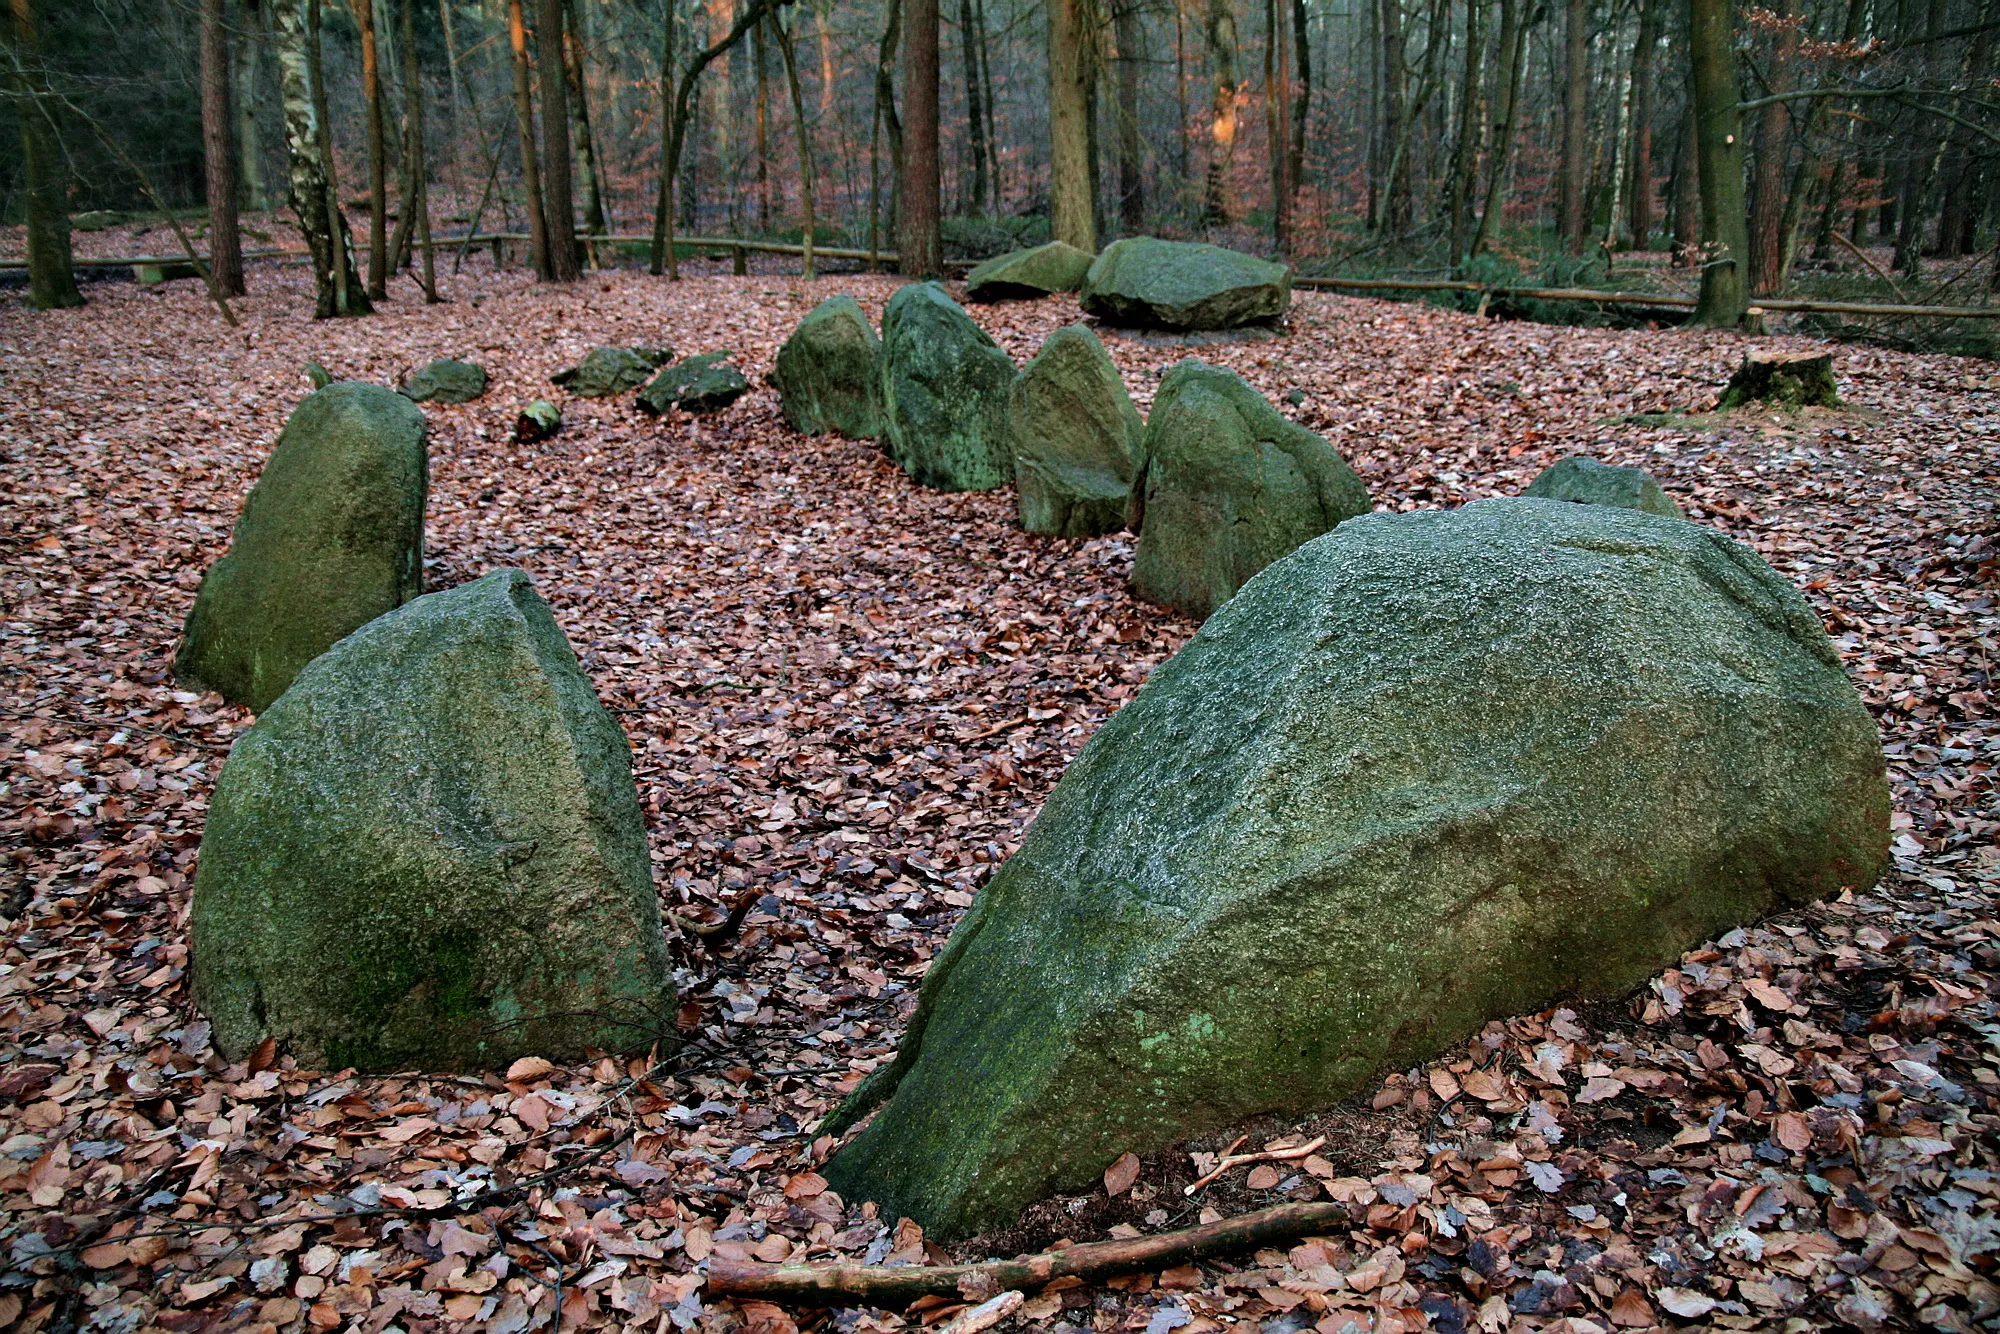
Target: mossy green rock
x: 538, y: 421
x: 445, y: 381
x: 1055, y: 267
x: 1430, y: 770
x: 829, y: 372
x: 331, y: 537
x: 429, y: 854
x: 944, y: 393
x: 1588, y: 482
x: 1230, y: 485
x: 1183, y: 286
x: 606, y: 371
x: 1078, y: 440
x: 698, y: 384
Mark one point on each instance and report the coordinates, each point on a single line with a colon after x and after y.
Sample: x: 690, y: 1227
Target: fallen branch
x: 883, y: 1285
x: 1268, y: 1156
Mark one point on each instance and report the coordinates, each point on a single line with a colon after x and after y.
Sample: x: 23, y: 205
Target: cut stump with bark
x: 1788, y: 379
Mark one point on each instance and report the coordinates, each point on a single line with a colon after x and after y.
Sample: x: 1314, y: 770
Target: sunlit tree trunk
x: 919, y: 244
x: 218, y: 145
x: 1072, y: 210
x: 1222, y: 129
x: 524, y: 124
x: 378, y: 185
x: 311, y: 185
x: 1725, y: 277
x: 558, y: 199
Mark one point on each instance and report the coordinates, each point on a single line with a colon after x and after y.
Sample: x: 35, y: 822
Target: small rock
x: 445, y: 381
x: 538, y: 421
x: 1078, y: 440
x: 829, y: 374
x: 698, y: 384
x: 1588, y: 482
x: 612, y: 370
x: 319, y: 376
x: 1055, y: 267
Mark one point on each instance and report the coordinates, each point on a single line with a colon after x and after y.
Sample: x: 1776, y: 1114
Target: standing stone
x: 1184, y: 286
x: 1588, y: 482
x: 1430, y: 770
x: 1230, y: 485
x: 1078, y: 440
x: 331, y: 537
x: 1038, y: 272
x: 944, y: 393
x: 698, y: 384
x: 445, y: 381
x: 829, y: 372
x: 429, y: 854
x: 611, y: 370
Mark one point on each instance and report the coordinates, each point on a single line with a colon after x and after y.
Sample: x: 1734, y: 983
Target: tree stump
x: 1788, y: 379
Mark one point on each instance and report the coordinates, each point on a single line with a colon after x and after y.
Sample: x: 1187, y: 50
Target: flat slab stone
x: 1037, y: 272
x: 1183, y: 285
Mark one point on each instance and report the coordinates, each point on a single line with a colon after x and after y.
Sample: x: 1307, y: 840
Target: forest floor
x: 851, y: 695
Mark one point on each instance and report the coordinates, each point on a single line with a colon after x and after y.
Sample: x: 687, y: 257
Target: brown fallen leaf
x: 1123, y: 1172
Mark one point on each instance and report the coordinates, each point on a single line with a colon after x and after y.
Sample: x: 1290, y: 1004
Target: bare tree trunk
x: 990, y: 103
x: 417, y: 200
x: 719, y: 121
x: 311, y: 185
x: 663, y: 208
x: 1277, y: 119
x: 51, y: 279
x: 225, y: 244
x: 1639, y: 211
x: 1767, y: 204
x: 886, y: 122
x: 524, y: 118
x: 581, y: 129
x: 807, y: 170
x: 558, y: 200
x: 1687, y: 189
x: 1725, y: 229
x: 1465, y: 154
x: 1180, y: 86
x: 1222, y: 130
x: 761, y: 116
x: 1072, y: 210
x: 1575, y: 125
x: 255, y: 192
x: 919, y: 245
x: 1302, y: 100
x: 1130, y: 36
x: 675, y: 115
x: 378, y: 185
x: 970, y: 34
x: 1507, y: 88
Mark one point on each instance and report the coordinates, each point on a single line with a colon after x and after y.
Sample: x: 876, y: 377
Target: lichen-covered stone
x: 1037, y: 272
x: 829, y: 372
x: 1230, y: 485
x: 445, y: 381
x: 1078, y: 440
x: 1588, y: 482
x: 331, y: 537
x: 429, y: 854
x: 944, y: 393
x: 612, y: 370
x: 538, y: 421
x: 1184, y: 286
x: 698, y: 384
x: 1430, y: 770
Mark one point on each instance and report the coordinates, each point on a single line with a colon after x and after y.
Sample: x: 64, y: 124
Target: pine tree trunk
x: 51, y: 278
x: 1725, y: 229
x: 1222, y: 129
x: 594, y: 220
x: 919, y: 244
x: 225, y: 244
x: 1639, y: 209
x: 524, y: 124
x: 310, y: 186
x: 1575, y: 125
x: 1072, y: 210
x: 378, y: 185
x: 558, y: 199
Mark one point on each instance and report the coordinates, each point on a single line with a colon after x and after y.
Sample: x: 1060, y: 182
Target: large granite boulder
x: 331, y: 537
x: 1078, y: 440
x: 606, y: 371
x: 1183, y: 286
x: 1037, y: 272
x: 707, y: 383
x: 445, y: 381
x: 1230, y: 485
x: 944, y: 393
x: 829, y: 374
x: 429, y: 854
x: 1430, y: 770
x: 1588, y: 482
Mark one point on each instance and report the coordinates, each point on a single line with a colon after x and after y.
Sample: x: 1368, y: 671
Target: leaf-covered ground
x: 846, y: 698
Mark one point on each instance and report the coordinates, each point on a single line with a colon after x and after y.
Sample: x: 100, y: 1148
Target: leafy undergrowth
x: 847, y: 697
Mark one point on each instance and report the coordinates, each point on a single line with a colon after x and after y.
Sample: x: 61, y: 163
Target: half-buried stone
x: 429, y: 854
x: 607, y: 371
x: 1230, y: 485
x: 331, y: 537
x: 1183, y: 286
x: 1078, y: 440
x: 705, y: 383
x: 1585, y: 481
x: 1037, y: 272
x: 445, y: 381
x: 1430, y: 770
x: 828, y: 373
x: 944, y: 393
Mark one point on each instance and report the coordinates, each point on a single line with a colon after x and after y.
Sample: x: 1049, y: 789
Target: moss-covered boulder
x: 537, y: 422
x: 1183, y: 286
x: 1430, y: 770
x: 1230, y: 485
x: 1588, y: 482
x: 944, y: 393
x: 1078, y: 440
x: 445, y: 381
x: 429, y: 854
x: 331, y: 537
x: 706, y: 383
x: 1037, y: 272
x: 829, y: 374
x: 606, y: 371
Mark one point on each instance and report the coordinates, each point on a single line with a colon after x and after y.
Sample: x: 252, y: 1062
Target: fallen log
x: 897, y: 1285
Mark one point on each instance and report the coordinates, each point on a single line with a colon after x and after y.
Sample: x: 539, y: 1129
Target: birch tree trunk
x: 310, y: 186
x: 218, y: 143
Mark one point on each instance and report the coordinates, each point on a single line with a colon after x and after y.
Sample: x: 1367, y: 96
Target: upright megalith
x: 1183, y: 286
x: 829, y: 372
x: 445, y: 381
x: 1429, y: 770
x: 1230, y: 485
x: 1036, y: 272
x: 429, y: 854
x: 1585, y: 481
x: 331, y: 537
x: 1078, y: 440
x: 944, y: 393
x: 607, y: 371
